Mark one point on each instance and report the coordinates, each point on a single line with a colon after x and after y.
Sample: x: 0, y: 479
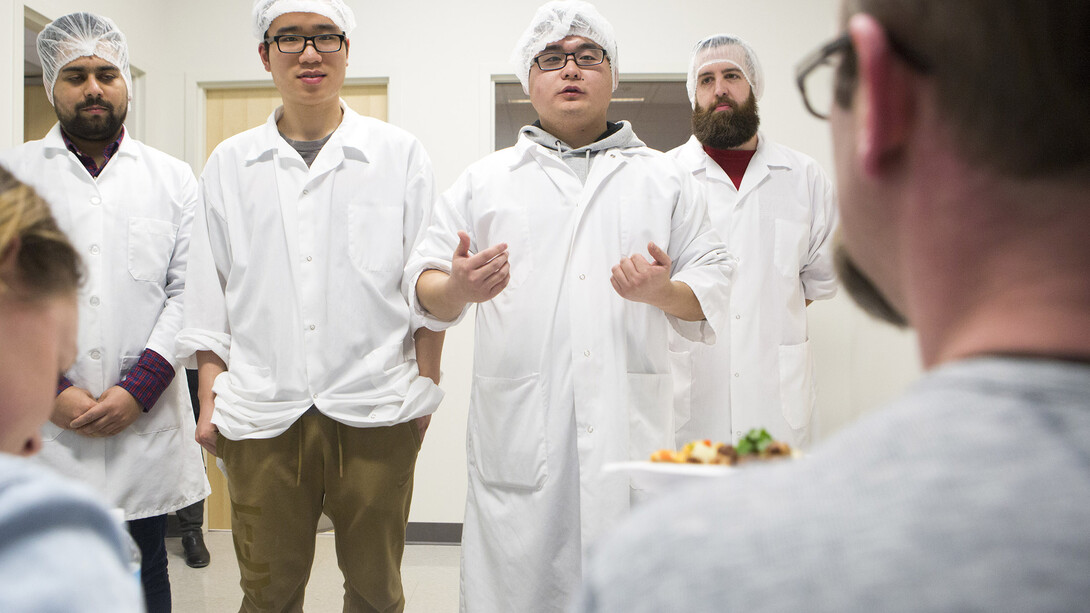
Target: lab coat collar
x: 350, y: 137
x: 766, y: 158
x: 53, y: 141
x: 526, y: 150
x: 693, y: 156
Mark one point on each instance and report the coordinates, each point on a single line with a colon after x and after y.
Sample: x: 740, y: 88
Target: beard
x: 862, y: 289
x: 726, y: 130
x: 92, y: 128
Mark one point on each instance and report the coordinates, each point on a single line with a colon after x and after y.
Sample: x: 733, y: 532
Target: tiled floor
x: 429, y: 574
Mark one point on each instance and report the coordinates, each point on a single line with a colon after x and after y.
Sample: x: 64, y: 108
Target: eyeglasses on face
x: 827, y: 75
x: 296, y: 43
x: 555, y: 60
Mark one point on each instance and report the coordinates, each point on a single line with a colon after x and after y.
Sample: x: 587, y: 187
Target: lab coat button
x: 590, y: 429
x: 94, y: 300
x: 95, y: 250
x: 96, y: 200
x: 306, y: 191
x: 736, y: 375
x: 95, y: 354
x: 582, y: 277
x: 738, y: 317
x: 312, y: 326
x: 587, y: 353
x: 310, y: 258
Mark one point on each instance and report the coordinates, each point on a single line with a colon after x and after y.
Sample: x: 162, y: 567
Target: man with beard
x: 776, y: 210
x: 966, y: 211
x: 121, y: 420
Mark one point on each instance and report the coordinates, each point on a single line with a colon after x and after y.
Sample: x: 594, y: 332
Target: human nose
x: 570, y: 67
x: 310, y: 52
x: 92, y: 88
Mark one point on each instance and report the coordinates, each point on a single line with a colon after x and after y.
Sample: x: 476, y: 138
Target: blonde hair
x: 45, y: 263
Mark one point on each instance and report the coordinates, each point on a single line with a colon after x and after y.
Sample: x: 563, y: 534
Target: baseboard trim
x: 416, y: 533
x: 427, y: 533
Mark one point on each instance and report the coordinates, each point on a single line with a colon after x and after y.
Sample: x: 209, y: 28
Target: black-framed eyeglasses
x: 827, y: 76
x: 296, y: 43
x: 555, y: 60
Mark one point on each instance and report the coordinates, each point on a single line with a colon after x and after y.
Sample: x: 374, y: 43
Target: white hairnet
x: 265, y: 11
x: 725, y: 48
x: 79, y: 35
x: 557, y: 20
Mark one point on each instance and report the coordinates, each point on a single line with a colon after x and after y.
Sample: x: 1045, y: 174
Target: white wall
x: 447, y: 104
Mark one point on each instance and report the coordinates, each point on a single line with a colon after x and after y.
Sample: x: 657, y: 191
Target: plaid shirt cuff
x: 62, y: 384
x: 148, y: 379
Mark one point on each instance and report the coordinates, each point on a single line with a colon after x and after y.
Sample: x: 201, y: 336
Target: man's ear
x: 263, y: 51
x: 886, y: 96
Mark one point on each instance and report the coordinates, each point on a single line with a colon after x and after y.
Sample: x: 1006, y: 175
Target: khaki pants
x: 362, y: 478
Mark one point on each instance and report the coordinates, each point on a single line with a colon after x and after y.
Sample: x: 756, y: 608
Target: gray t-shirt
x: 970, y: 493
x: 308, y: 149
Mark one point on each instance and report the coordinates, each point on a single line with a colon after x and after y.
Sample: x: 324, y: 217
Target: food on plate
x: 757, y: 444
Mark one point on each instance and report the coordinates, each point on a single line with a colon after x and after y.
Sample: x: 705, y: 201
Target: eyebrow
x: 321, y: 28
x: 705, y: 73
x: 85, y: 69
x: 582, y: 47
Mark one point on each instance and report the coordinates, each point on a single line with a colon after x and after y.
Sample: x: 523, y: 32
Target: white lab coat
x: 295, y: 278
x: 779, y: 225
x: 567, y: 375
x: 131, y: 227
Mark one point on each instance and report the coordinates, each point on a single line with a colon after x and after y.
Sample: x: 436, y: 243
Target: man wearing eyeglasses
x: 965, y: 213
x: 777, y: 211
x: 580, y: 247
x: 315, y: 386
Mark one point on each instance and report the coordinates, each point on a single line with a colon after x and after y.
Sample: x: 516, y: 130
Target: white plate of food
x: 659, y: 476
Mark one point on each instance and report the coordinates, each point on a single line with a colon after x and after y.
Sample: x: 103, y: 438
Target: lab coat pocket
x: 797, y: 391
x: 650, y: 414
x: 507, y: 431
x: 251, y: 382
x: 375, y: 237
x: 151, y: 244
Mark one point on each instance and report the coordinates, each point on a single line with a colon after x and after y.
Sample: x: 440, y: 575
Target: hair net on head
x: 557, y: 20
x: 79, y: 35
x: 265, y: 11
x: 725, y: 48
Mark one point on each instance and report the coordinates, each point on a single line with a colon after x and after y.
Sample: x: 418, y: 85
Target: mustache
x: 88, y: 102
x: 724, y: 99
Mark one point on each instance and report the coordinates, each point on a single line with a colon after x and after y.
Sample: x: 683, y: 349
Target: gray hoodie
x: 617, y: 136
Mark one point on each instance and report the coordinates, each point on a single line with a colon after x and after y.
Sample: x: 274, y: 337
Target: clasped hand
x: 76, y: 409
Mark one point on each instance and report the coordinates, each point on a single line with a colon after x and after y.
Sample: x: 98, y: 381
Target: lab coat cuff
x: 421, y: 318
x: 192, y: 340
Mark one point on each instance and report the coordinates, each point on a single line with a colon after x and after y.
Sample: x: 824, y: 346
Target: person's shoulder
x: 160, y: 158
x: 373, y: 130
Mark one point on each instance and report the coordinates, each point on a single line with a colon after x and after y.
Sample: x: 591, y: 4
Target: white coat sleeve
x: 166, y: 328
x: 419, y: 201
x: 435, y: 249
x: 818, y: 275
x: 701, y: 261
x: 205, y: 326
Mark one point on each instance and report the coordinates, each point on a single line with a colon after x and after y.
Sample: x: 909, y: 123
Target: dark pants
x: 149, y: 534
x: 191, y: 518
